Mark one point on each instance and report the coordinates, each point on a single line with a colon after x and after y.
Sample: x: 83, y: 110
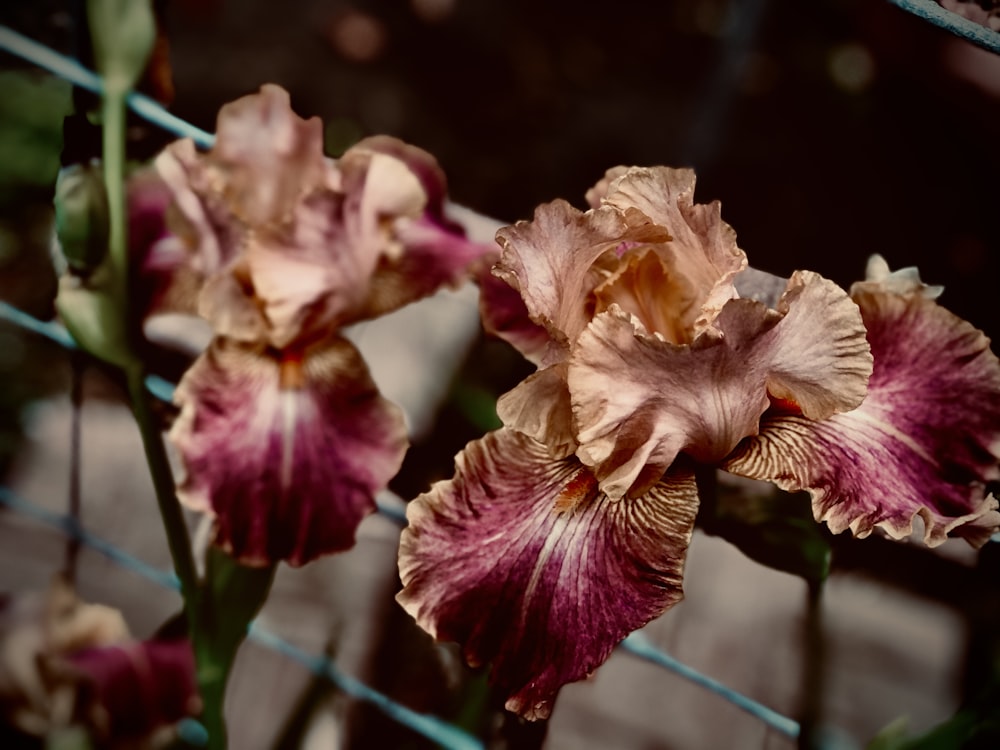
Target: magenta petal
x: 505, y: 315
x: 288, y: 472
x: 521, y: 560
x: 434, y: 257
x: 132, y: 689
x: 924, y: 441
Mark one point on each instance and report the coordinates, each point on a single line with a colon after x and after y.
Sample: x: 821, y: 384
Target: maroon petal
x: 505, y: 315
x: 521, y: 560
x: 131, y: 690
x: 924, y: 441
x: 434, y: 257
x: 286, y: 453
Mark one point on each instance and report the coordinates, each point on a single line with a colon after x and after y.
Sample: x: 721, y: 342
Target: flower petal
x: 703, y: 248
x: 132, y: 689
x: 266, y: 156
x: 639, y: 400
x: 923, y: 442
x: 548, y: 260
x: 286, y: 455
x: 521, y: 560
x: 539, y: 407
x: 433, y: 257
x: 505, y: 315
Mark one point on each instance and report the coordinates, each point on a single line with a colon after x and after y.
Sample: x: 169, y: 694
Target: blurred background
x: 829, y: 130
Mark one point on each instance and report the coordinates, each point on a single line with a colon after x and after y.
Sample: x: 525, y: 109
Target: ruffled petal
x: 434, y: 257
x: 266, y: 157
x: 505, y: 315
x: 286, y: 454
x: 703, y: 249
x: 549, y: 259
x: 539, y: 407
x: 525, y: 563
x: 923, y: 442
x: 639, y: 400
x: 130, y: 690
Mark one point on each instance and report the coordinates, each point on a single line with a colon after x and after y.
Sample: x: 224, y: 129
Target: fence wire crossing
x: 442, y: 732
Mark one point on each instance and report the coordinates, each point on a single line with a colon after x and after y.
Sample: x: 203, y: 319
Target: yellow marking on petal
x: 581, y: 488
x: 291, y: 376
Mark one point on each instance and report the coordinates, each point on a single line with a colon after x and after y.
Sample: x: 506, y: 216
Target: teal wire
x: 638, y: 644
x: 72, y: 71
x: 956, y: 24
x: 433, y: 728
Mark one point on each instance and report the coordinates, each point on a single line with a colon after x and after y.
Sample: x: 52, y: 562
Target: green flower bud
x: 123, y: 32
x: 82, y: 225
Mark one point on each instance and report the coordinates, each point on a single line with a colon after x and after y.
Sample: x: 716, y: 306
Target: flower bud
x: 123, y: 32
x: 81, y: 204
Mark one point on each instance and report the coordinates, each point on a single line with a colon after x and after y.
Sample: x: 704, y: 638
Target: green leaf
x: 92, y: 311
x: 769, y: 526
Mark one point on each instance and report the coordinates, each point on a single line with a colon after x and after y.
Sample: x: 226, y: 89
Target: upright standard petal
x: 285, y: 451
x: 549, y: 261
x: 703, y: 248
x: 505, y: 315
x: 525, y: 563
x: 265, y: 156
x: 924, y: 442
x: 640, y: 400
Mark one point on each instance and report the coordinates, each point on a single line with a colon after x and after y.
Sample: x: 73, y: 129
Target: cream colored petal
x: 548, y: 260
x: 639, y: 400
x: 267, y: 156
x: 703, y: 249
x: 540, y: 408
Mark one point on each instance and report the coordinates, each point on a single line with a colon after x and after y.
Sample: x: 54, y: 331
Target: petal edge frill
x: 924, y: 442
x: 288, y: 472
x: 639, y: 400
x: 521, y: 560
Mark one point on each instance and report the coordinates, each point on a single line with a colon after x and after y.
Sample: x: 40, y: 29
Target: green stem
x: 114, y: 118
x: 163, y: 482
x: 197, y: 606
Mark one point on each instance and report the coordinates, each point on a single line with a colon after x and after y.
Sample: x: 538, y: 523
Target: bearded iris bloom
x: 282, y: 434
x: 567, y: 528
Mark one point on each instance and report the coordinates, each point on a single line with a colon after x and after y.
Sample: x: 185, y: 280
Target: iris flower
x: 568, y: 527
x: 282, y: 434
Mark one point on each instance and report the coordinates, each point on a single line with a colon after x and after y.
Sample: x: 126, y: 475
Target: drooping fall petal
x: 640, y: 400
x: 287, y: 455
x: 923, y: 442
x: 131, y: 689
x: 525, y: 563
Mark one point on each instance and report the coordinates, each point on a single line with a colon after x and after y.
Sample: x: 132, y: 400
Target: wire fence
x: 438, y: 730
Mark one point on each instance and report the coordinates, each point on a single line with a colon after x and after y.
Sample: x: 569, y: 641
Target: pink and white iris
x: 283, y: 436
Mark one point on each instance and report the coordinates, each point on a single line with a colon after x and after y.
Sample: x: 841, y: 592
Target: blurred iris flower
x: 282, y: 434
x: 568, y: 527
